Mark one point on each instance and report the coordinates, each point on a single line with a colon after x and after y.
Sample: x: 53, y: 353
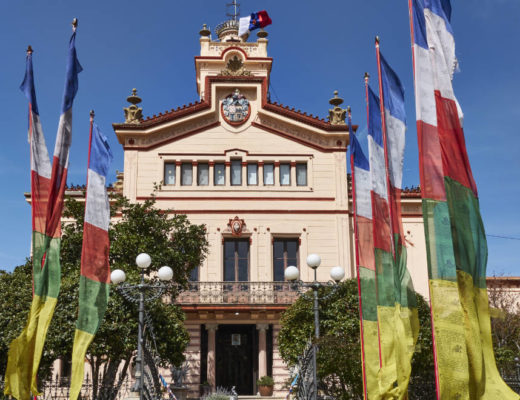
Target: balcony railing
x: 238, y: 293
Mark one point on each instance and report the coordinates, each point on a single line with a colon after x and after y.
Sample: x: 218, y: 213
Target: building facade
x: 270, y: 185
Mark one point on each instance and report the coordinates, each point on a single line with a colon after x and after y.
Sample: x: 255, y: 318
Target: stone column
x: 228, y: 173
x: 211, y: 173
x: 260, y: 173
x: 262, y: 349
x: 178, y: 173
x: 244, y: 173
x: 293, y: 173
x: 211, y: 373
x: 195, y: 173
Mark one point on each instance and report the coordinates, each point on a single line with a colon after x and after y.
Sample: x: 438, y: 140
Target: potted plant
x: 265, y: 385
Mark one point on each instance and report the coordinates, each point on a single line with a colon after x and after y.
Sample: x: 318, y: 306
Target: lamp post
x: 140, y: 294
x: 292, y: 274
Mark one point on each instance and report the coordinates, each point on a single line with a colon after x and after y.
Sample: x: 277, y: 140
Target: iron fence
x: 58, y: 388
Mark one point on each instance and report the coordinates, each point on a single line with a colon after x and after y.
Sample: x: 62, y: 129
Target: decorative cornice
x: 309, y: 139
x: 167, y: 116
x: 306, y: 119
x: 153, y: 141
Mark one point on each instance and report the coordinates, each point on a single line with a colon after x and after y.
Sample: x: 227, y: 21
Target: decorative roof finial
x: 133, y: 114
x: 204, y: 31
x: 29, y: 50
x: 337, y: 114
x: 74, y: 24
x: 261, y: 34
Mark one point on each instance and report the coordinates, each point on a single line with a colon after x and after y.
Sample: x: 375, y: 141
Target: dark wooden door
x: 236, y: 357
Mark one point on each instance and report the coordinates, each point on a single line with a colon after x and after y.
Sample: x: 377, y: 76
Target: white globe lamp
x: 291, y: 273
x: 337, y: 274
x: 143, y: 260
x: 313, y: 261
x: 165, y: 273
x: 117, y: 276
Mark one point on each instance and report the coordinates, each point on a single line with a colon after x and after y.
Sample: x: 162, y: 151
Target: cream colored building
x: 270, y: 184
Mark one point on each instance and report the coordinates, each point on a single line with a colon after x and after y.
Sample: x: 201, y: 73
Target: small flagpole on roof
x: 235, y: 10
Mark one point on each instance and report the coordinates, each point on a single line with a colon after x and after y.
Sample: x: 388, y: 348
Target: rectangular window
x: 301, y: 174
x: 268, y: 174
x: 219, y: 174
x: 194, y: 275
x: 236, y: 172
x: 285, y: 254
x: 285, y: 174
x: 203, y: 174
x: 236, y: 260
x: 252, y: 174
x: 169, y: 173
x: 187, y: 174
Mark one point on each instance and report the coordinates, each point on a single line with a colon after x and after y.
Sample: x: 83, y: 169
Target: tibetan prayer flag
x: 256, y: 20
x: 23, y: 360
x: 384, y: 262
x: 365, y: 264
x: 47, y: 196
x: 406, y: 317
x: 95, y: 269
x: 455, y: 238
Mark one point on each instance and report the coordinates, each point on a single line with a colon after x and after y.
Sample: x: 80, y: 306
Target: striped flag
x: 95, y: 269
x: 393, y: 117
x: 455, y: 237
x: 26, y: 350
x: 384, y: 263
x: 23, y: 362
x: 360, y: 171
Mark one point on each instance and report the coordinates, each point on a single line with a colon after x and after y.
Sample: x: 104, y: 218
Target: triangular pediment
x: 206, y: 114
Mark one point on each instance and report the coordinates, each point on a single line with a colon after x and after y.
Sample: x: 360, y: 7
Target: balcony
x: 282, y: 293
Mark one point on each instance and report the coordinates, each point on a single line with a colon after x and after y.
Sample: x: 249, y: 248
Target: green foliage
x: 339, y: 356
x: 265, y: 381
x: 137, y: 228
x: 219, y: 394
x: 505, y: 325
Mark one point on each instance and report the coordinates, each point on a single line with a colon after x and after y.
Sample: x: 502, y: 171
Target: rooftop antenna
x: 233, y: 10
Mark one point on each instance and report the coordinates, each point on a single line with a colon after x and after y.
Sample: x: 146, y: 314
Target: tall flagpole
x: 367, y: 76
x: 435, y: 362
x: 92, y: 114
x: 385, y: 146
x: 356, y: 245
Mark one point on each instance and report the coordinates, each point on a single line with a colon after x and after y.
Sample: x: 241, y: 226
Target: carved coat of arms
x: 236, y: 108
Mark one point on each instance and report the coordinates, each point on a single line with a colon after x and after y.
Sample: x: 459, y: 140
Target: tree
x: 339, y: 356
x: 135, y: 228
x: 504, y: 306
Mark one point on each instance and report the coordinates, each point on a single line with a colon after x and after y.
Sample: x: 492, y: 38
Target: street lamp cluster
x: 141, y: 293
x: 292, y: 274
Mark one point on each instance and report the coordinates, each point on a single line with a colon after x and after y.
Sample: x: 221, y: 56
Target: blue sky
x: 317, y: 48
